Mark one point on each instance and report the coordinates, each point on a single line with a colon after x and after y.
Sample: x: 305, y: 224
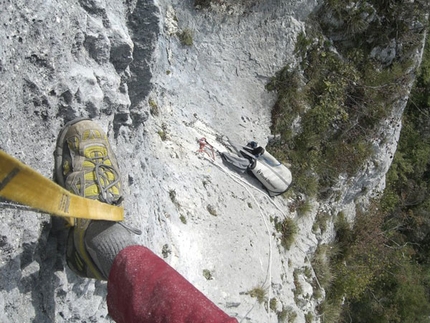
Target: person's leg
x: 144, y: 288
x: 86, y: 165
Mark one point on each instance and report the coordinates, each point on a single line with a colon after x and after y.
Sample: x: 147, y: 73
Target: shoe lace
x: 101, y: 172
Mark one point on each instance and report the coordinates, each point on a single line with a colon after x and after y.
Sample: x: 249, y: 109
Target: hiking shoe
x: 86, y: 165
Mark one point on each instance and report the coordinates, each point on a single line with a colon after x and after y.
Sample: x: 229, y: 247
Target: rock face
x: 123, y: 64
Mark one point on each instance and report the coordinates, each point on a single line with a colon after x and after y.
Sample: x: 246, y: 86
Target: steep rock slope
x: 58, y: 60
x: 62, y: 59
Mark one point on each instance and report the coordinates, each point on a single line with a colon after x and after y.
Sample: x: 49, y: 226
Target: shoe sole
x: 58, y: 153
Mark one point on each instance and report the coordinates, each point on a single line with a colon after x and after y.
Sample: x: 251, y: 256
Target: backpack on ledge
x: 273, y: 175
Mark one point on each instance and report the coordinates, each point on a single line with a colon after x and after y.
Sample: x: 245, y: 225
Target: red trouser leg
x: 143, y: 288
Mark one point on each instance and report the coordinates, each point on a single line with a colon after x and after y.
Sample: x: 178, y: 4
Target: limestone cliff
x: 123, y: 64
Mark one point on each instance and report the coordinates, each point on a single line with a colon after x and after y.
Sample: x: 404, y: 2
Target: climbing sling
x: 20, y: 183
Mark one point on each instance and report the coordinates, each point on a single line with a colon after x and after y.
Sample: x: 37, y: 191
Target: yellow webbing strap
x: 20, y: 183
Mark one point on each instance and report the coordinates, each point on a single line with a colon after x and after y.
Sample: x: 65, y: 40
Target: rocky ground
x: 123, y: 64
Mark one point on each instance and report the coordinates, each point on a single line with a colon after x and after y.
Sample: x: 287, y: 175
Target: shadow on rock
x: 32, y: 272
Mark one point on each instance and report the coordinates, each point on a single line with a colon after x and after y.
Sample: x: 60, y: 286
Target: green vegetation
x: 356, y: 62
x: 153, y: 108
x: 403, y: 290
x: 166, y: 251
x: 172, y: 195
x: 320, y: 223
x: 329, y: 312
x: 298, y: 289
x: 300, y: 205
x: 183, y: 219
x: 207, y: 274
x: 288, y: 230
x: 378, y: 269
x: 287, y: 315
x: 330, y: 106
x: 260, y: 293
x: 321, y: 265
x: 186, y: 37
x: 304, y: 207
x: 163, y: 132
x: 373, y: 273
x: 202, y: 4
x: 212, y: 211
x: 272, y: 304
x: 309, y: 317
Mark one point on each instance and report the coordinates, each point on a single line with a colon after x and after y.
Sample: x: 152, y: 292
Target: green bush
x: 329, y: 312
x: 378, y: 268
x: 288, y: 230
x: 339, y: 93
x: 260, y: 293
x: 287, y: 315
x: 322, y: 266
x: 330, y: 140
x: 186, y: 37
x: 381, y: 271
x: 202, y: 3
x: 373, y: 271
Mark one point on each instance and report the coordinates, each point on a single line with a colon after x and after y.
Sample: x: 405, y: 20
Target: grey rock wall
x: 122, y: 64
x: 59, y: 60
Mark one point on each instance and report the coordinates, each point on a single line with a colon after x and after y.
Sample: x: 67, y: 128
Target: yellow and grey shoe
x: 85, y: 165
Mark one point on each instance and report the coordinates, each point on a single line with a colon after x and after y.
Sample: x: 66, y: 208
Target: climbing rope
x: 245, y: 185
x: 203, y: 145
